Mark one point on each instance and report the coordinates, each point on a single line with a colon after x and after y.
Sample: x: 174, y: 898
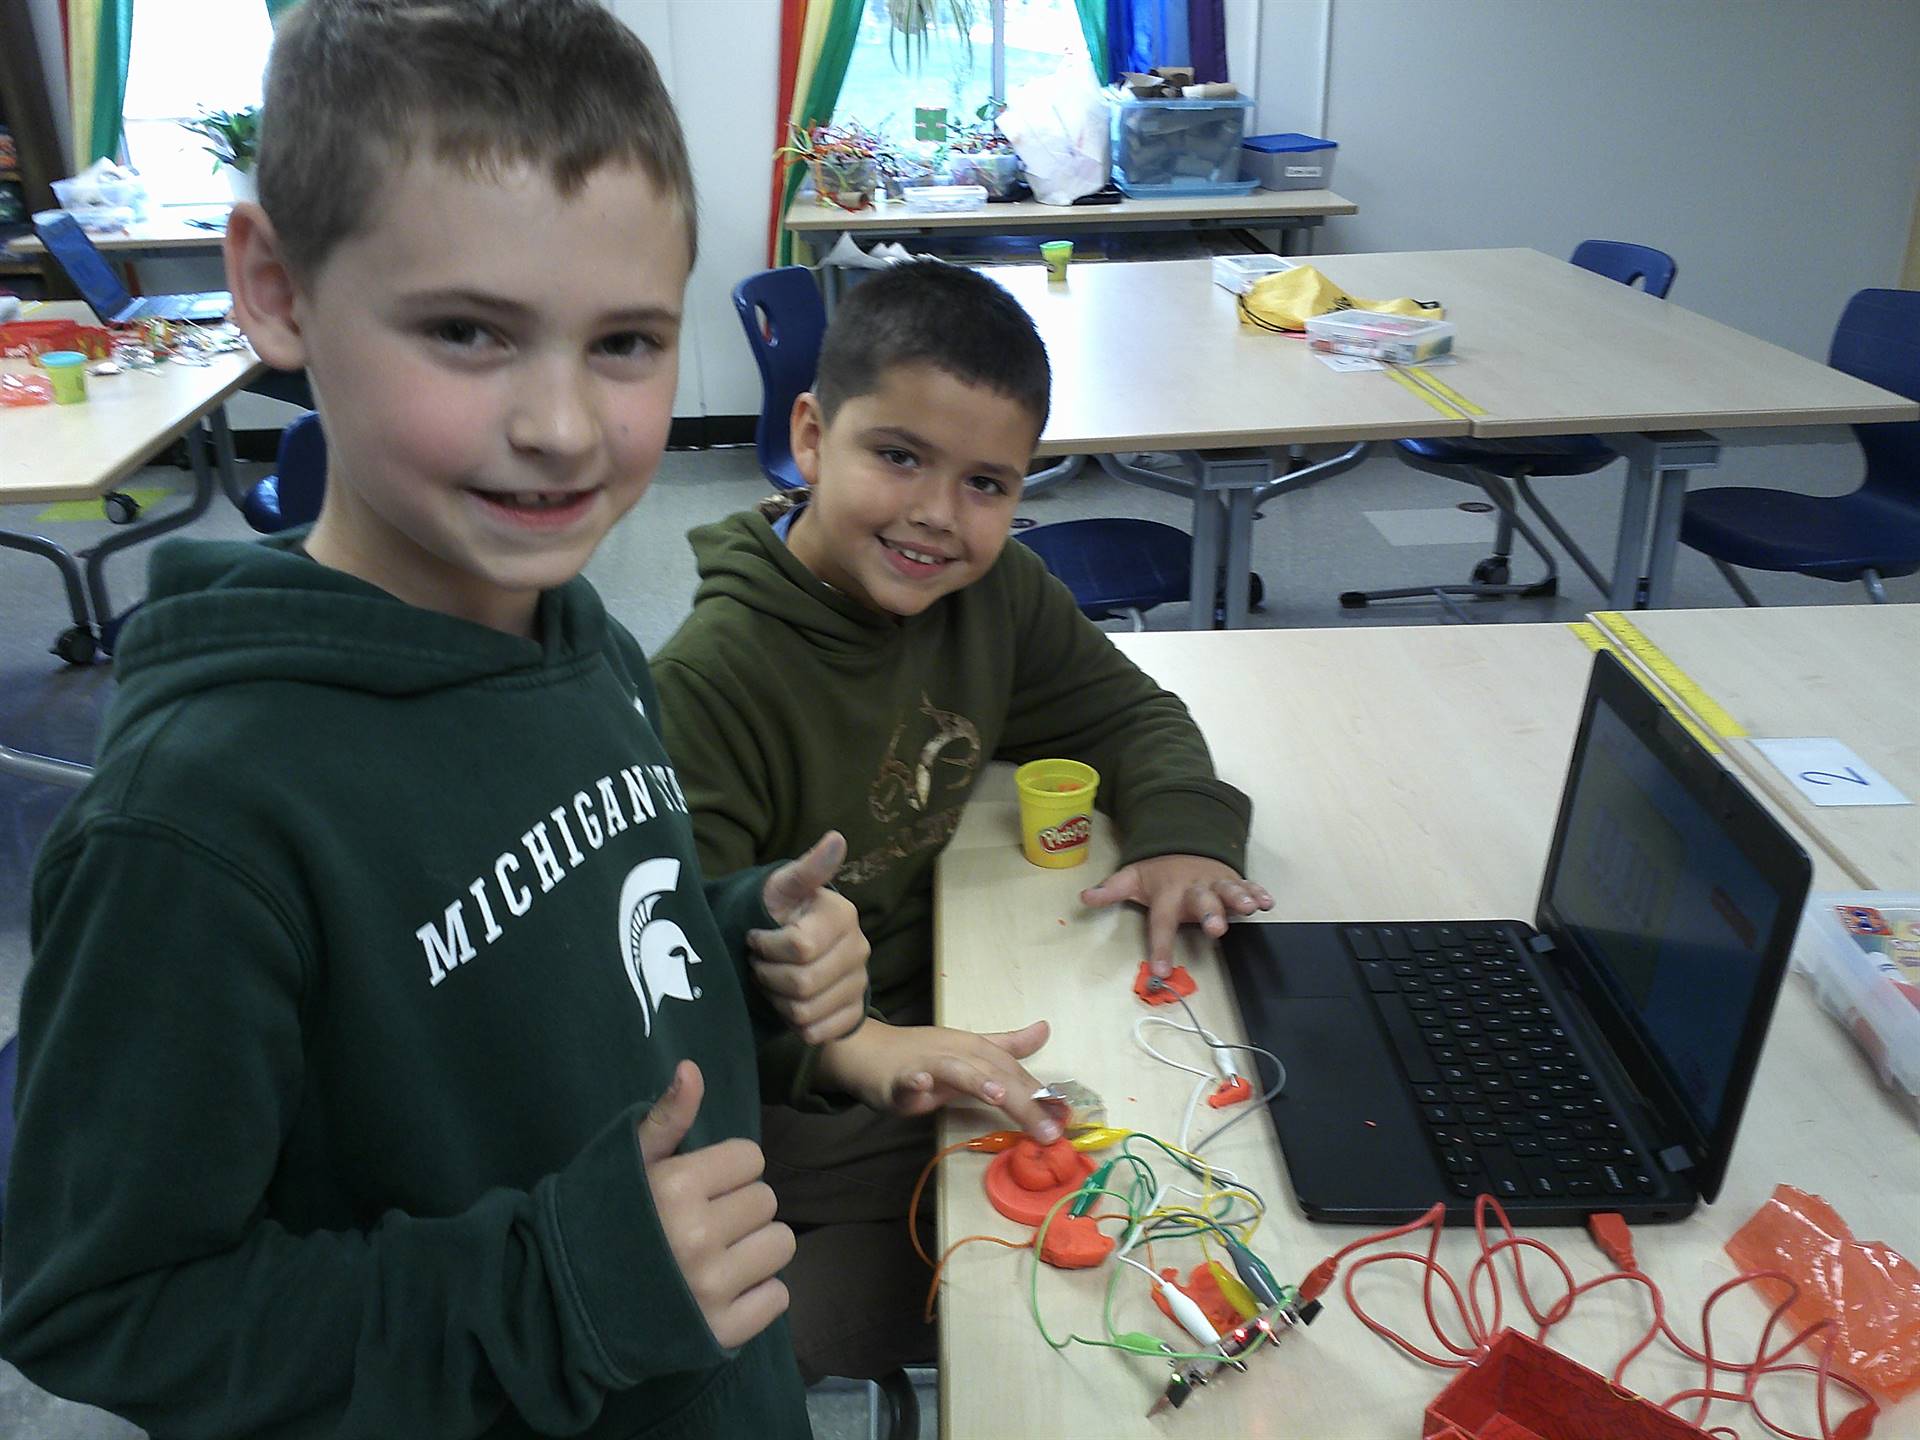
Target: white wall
x: 721, y: 61
x: 1771, y: 148
x: 45, y: 15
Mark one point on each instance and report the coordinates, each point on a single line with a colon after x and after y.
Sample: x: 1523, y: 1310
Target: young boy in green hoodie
x: 857, y: 651
x: 388, y: 1068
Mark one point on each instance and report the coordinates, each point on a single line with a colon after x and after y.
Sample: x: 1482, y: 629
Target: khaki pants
x: 859, y: 1292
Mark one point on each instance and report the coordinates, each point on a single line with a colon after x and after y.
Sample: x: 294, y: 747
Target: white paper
x: 1829, y: 773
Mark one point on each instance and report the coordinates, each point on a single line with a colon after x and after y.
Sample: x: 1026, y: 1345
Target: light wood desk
x: 1646, y: 373
x: 1293, y: 212
x: 167, y: 234
x: 81, y: 452
x: 1817, y: 670
x: 1396, y: 774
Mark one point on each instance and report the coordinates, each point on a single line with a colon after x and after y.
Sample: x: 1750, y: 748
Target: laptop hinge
x: 1540, y: 944
x: 1675, y: 1158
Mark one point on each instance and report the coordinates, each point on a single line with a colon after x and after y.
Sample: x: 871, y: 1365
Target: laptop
x: 100, y: 287
x: 1598, y: 1059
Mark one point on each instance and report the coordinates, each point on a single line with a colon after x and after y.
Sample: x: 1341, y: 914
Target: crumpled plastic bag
x: 1288, y: 299
x: 1867, y: 1288
x: 1059, y: 127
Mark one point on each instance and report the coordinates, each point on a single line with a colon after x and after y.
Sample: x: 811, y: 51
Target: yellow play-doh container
x: 1056, y: 811
x: 67, y: 369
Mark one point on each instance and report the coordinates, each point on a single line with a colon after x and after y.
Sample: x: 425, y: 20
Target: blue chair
x: 1116, y: 566
x: 1503, y: 467
x: 784, y: 318
x: 292, y: 494
x: 9, y: 1075
x: 1867, y: 535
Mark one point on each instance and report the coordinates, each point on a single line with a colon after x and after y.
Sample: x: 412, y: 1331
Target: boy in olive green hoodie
x: 857, y: 651
x: 388, y: 1066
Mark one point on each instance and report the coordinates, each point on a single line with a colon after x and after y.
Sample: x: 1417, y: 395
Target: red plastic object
x: 1866, y: 1287
x: 1023, y: 1183
x: 24, y: 339
x: 1177, y: 984
x: 1075, y: 1242
x: 1524, y: 1391
x: 1201, y: 1288
x: 1231, y: 1092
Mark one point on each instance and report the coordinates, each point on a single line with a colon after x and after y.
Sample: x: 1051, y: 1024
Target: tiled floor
x: 1379, y: 525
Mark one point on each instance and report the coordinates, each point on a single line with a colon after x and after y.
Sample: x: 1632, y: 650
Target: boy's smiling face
x: 495, y: 366
x: 914, y: 486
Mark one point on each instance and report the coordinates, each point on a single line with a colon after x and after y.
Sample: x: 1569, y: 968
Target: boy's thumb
x: 673, y: 1114
x: 800, y: 880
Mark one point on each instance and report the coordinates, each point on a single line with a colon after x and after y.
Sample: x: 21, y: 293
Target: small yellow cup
x: 1056, y: 811
x: 1056, y: 253
x: 68, y: 371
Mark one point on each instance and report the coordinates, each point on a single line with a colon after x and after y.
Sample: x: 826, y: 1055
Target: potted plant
x: 233, y: 140
x: 843, y: 161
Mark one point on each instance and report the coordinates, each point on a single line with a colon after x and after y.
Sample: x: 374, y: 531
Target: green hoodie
x: 355, y: 967
x: 790, y: 709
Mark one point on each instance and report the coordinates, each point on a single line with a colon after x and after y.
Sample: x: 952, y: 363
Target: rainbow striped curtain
x: 816, y: 41
x: 98, y: 35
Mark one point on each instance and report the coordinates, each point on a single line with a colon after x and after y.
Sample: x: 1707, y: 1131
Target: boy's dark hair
x: 357, y: 87
x: 932, y: 313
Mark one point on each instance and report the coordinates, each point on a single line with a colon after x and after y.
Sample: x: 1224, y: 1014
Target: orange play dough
x: 1178, y: 983
x: 1201, y: 1288
x: 1023, y: 1183
x: 1075, y: 1242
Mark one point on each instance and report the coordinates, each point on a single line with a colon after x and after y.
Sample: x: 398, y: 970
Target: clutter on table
x: 1171, y: 137
x: 104, y: 198
x: 1862, y: 952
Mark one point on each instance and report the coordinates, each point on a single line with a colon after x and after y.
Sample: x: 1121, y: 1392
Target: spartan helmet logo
x: 655, y: 951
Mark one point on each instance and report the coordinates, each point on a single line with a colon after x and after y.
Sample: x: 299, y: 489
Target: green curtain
x: 112, y: 45
x: 1093, y: 25
x: 816, y: 108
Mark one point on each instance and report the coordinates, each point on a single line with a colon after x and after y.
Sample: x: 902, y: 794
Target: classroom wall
x: 1771, y: 148
x: 45, y: 16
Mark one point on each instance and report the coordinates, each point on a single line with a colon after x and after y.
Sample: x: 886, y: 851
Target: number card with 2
x: 1829, y: 773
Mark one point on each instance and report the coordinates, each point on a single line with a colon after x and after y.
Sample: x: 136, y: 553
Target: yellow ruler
x: 1710, y: 711
x: 1436, y: 392
x: 1594, y: 638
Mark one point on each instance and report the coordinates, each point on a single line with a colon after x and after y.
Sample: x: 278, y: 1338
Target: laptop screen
x: 92, y: 276
x: 1679, y: 896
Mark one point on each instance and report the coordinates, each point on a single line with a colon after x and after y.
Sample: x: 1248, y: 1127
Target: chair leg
x: 1875, y: 590
x: 1740, y: 587
x: 1491, y: 576
x: 900, y: 1405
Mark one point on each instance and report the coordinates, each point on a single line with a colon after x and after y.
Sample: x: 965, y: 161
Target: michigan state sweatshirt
x: 791, y: 709
x: 355, y: 967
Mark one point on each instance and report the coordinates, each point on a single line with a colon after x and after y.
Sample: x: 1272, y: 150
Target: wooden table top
x: 75, y: 452
x: 1364, y: 808
x: 808, y: 213
x: 1152, y: 355
x: 1786, y: 672
x: 166, y: 231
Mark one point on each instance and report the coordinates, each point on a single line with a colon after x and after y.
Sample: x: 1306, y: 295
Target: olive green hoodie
x: 355, y: 966
x: 791, y: 709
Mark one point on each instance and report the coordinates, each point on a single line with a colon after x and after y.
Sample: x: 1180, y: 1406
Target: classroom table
x: 1295, y: 213
x: 82, y: 452
x: 166, y: 235
x: 1153, y: 356
x: 1397, y: 774
x: 1788, y: 672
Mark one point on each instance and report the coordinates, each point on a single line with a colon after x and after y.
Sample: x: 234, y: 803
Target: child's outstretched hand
x: 717, y: 1215
x: 916, y: 1069
x: 814, y: 967
x: 1179, y: 890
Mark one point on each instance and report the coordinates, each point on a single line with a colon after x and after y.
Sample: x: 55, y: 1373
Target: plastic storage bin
x: 1396, y: 339
x: 1862, y: 952
x: 1288, y: 162
x: 1178, y: 147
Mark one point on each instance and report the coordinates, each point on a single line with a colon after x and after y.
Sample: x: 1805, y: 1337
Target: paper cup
x: 1056, y: 253
x: 67, y: 369
x: 1056, y: 811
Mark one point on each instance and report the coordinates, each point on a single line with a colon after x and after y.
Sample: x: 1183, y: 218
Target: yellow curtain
x: 98, y: 35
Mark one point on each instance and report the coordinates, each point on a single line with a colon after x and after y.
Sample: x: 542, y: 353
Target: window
x: 1016, y: 40
x: 186, y: 56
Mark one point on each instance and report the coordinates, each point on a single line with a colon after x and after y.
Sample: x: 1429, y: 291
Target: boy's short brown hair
x: 355, y: 87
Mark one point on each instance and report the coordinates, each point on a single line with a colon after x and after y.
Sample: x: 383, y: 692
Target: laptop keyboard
x: 1508, y: 1105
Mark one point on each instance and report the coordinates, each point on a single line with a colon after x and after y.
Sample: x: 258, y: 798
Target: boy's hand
x: 717, y: 1215
x: 1179, y: 890
x: 916, y: 1069
x: 814, y: 967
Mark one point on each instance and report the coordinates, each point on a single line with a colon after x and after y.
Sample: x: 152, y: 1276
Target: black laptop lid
x: 1672, y: 897
x: 86, y: 267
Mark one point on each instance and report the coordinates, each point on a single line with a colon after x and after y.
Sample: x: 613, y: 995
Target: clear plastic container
x: 945, y: 197
x: 1396, y: 339
x: 1193, y: 145
x: 1862, y: 952
x: 1239, y: 272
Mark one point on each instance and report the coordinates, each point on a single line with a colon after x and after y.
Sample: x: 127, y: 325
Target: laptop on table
x: 1598, y: 1059
x: 100, y: 287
